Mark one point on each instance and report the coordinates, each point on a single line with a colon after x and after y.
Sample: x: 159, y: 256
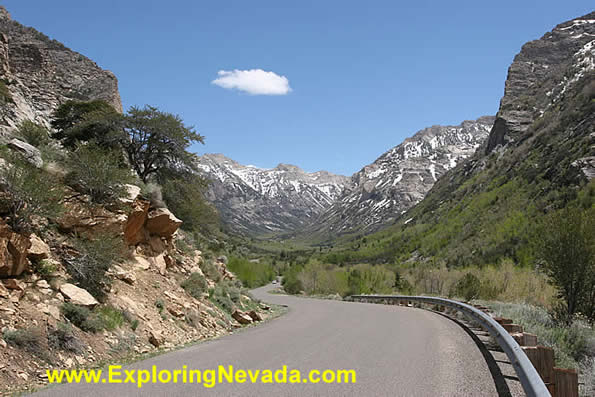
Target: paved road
x: 396, y: 351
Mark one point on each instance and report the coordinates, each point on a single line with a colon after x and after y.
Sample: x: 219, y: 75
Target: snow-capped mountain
x: 401, y: 177
x: 285, y: 199
x: 259, y: 201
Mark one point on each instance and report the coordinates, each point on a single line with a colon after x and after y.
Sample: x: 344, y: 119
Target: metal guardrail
x: 530, y: 380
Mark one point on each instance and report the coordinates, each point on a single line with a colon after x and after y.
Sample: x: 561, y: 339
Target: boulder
x: 174, y: 311
x: 159, y: 263
x: 13, y: 284
x: 124, y: 275
x: 141, y: 263
x: 13, y: 251
x: 161, y: 222
x: 29, y: 152
x: 156, y: 338
x: 133, y: 229
x: 254, y: 315
x: 241, y: 318
x: 132, y: 192
x: 222, y: 259
x: 39, y: 249
x: 77, y: 296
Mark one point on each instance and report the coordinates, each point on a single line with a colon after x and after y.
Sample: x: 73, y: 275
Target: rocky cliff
x: 401, y: 177
x: 37, y: 74
x: 540, y: 78
x: 260, y: 201
x: 539, y: 157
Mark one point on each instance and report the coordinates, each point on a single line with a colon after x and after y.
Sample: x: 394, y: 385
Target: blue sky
x: 363, y: 75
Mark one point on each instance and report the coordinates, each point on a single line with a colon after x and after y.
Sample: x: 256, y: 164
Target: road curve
x: 395, y: 351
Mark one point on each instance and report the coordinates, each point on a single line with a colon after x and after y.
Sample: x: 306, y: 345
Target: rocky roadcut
x: 91, y: 283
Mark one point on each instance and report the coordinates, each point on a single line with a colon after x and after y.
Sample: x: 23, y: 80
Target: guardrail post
x: 542, y: 359
x: 565, y: 383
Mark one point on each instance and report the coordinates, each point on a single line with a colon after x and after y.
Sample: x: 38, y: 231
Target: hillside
x: 95, y: 267
x: 538, y: 157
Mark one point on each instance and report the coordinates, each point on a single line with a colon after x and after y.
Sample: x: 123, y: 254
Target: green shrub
x: 98, y: 172
x: 184, y: 196
x: 252, y: 274
x: 572, y: 343
x: 226, y: 295
x: 160, y: 305
x: 468, y: 287
x: 29, y: 339
x: 291, y: 281
x: 95, y: 257
x: 195, y: 285
x: 110, y: 317
x: 33, y: 133
x: 27, y: 192
x: 211, y: 270
x: 82, y: 317
x: 44, y: 268
x: 63, y: 338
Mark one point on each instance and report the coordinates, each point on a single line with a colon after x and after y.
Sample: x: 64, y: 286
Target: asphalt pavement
x: 394, y: 350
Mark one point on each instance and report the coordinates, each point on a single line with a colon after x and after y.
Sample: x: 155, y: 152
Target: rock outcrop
x: 540, y: 76
x: 29, y: 152
x: 37, y: 74
x: 14, y: 248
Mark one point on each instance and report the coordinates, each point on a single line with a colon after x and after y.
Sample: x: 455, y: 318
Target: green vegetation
x: 195, y: 285
x: 566, y: 244
x: 104, y: 145
x: 98, y: 172
x: 77, y: 122
x: 27, y: 192
x: 63, y: 338
x: 96, y: 320
x: 211, y: 270
x: 252, y: 274
x: 226, y: 295
x: 33, y: 133
x: 158, y: 141
x: 93, y: 259
x: 572, y: 344
x: 82, y: 317
x: 184, y: 196
x: 29, y: 339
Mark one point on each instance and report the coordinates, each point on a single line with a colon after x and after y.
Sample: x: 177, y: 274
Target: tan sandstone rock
x: 13, y: 251
x: 77, y: 296
x: 241, y: 318
x: 162, y: 222
x: 254, y: 315
x: 156, y: 338
x: 133, y: 229
x: 39, y: 249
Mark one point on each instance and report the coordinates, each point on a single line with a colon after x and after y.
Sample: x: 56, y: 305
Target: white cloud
x: 254, y: 82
